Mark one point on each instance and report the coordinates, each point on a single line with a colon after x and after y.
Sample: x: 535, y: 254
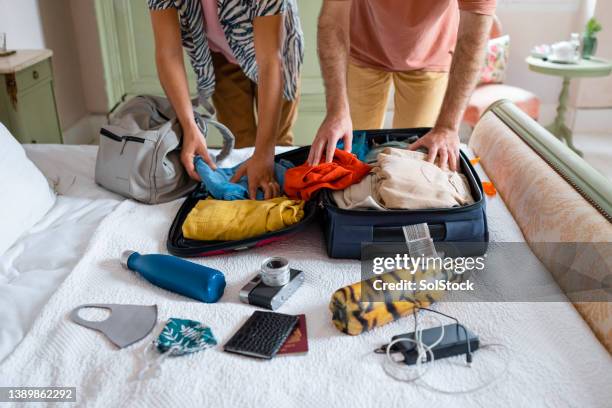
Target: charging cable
x: 419, y: 243
x: 426, y: 350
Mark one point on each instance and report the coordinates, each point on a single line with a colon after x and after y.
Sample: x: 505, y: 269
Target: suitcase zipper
x: 399, y: 212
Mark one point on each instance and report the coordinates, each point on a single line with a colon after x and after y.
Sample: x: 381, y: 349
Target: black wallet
x: 262, y: 335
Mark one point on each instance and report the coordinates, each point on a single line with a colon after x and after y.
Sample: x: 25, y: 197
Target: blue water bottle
x: 177, y: 275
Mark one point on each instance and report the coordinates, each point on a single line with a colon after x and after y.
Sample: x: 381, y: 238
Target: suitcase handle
x: 396, y: 234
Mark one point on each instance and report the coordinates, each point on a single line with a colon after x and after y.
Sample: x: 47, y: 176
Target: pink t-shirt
x: 214, y: 32
x: 408, y: 35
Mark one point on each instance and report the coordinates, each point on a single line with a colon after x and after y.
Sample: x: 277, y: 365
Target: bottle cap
x: 124, y: 258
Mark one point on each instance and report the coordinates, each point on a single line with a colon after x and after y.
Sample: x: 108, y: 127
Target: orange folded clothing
x: 303, y: 181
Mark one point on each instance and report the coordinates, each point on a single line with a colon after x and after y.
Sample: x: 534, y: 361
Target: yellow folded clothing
x: 219, y: 220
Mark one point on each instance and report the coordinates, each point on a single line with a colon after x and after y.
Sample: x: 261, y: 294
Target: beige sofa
x: 556, y: 199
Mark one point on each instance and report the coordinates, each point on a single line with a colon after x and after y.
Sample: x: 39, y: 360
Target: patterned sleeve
x: 270, y: 7
x: 160, y: 4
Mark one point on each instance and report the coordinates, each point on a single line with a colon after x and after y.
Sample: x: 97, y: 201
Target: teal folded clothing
x: 218, y: 185
x: 366, y: 153
x: 359, y: 147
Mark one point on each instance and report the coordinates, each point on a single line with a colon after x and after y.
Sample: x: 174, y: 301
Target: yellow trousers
x: 418, y: 97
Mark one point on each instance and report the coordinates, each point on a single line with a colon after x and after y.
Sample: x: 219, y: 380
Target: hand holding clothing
x: 260, y: 175
x: 233, y: 183
x: 332, y: 129
x: 194, y: 144
x: 442, y: 147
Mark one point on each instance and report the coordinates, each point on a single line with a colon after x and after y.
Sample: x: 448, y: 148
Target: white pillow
x: 25, y: 195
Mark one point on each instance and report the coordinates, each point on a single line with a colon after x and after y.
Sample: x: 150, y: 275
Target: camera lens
x: 275, y: 264
x: 275, y: 271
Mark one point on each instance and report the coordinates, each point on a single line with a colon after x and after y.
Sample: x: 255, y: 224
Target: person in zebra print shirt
x: 247, y: 56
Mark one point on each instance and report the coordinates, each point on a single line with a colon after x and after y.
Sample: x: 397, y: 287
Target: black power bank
x: 453, y: 343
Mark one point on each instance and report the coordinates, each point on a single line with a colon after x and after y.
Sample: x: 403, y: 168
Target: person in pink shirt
x: 430, y: 51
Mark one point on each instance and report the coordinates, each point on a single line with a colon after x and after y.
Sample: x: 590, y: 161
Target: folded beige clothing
x: 405, y: 180
x: 358, y: 196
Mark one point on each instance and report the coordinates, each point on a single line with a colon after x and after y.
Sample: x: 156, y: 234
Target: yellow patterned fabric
x: 548, y: 210
x: 359, y: 307
x: 218, y: 220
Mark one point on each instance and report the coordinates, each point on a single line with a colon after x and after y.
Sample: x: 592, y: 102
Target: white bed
x: 38, y: 263
x: 33, y: 268
x: 554, y: 359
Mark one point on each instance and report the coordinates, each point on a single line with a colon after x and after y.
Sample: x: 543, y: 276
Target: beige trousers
x: 418, y: 97
x: 235, y: 101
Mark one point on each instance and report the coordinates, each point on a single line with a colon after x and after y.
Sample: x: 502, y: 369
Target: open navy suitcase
x: 346, y: 230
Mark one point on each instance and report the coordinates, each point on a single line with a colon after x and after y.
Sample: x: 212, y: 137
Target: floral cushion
x: 551, y: 214
x: 496, y: 61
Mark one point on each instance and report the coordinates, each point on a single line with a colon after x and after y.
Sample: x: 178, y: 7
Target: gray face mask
x: 126, y: 324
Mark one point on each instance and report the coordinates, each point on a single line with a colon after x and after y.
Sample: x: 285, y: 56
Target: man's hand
x: 443, y: 140
x: 194, y: 144
x: 333, y: 45
x: 260, y: 173
x: 441, y: 144
x: 332, y: 129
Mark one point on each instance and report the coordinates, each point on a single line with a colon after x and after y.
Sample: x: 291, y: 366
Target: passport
x: 297, y: 342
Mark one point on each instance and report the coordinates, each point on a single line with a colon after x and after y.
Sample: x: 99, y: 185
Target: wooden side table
x: 594, y: 67
x: 27, y: 98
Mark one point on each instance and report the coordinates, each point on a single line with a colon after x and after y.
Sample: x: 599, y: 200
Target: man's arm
x: 443, y: 140
x: 333, y: 44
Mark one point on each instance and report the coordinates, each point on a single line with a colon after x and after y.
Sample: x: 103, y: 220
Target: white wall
x: 597, y: 92
x: 20, y: 19
x: 58, y: 30
x: 533, y: 22
x: 68, y: 28
x: 90, y: 56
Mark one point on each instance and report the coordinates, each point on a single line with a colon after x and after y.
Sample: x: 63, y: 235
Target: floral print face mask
x: 179, y: 337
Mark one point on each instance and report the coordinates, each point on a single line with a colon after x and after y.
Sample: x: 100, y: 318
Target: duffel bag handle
x: 206, y: 118
x: 228, y: 137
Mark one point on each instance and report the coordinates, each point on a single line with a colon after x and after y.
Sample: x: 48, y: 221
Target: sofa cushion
x: 496, y: 61
x: 485, y: 95
x: 548, y: 210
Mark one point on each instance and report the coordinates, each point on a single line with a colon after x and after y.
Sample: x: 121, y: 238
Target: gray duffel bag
x: 139, y: 153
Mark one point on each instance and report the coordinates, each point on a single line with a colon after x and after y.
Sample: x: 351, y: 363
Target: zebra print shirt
x: 236, y: 17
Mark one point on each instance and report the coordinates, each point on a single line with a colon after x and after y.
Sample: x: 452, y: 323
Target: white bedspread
x: 36, y: 265
x: 70, y: 169
x: 554, y: 359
